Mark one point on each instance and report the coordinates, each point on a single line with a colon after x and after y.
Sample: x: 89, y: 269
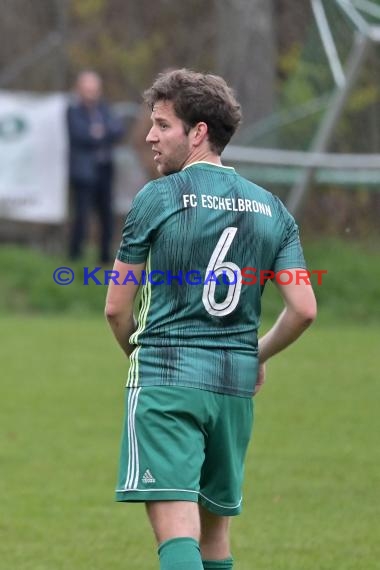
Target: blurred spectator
x: 93, y: 131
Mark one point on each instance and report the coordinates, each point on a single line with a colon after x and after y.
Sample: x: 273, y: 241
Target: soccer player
x: 202, y: 241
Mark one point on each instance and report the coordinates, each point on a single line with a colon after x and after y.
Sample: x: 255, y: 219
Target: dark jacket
x: 87, y: 151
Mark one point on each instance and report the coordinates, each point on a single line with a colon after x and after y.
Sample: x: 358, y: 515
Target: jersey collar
x: 209, y: 164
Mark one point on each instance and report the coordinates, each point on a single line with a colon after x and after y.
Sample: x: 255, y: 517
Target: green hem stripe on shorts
x: 143, y: 495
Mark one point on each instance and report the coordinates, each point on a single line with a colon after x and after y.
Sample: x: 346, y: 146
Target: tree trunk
x: 246, y: 53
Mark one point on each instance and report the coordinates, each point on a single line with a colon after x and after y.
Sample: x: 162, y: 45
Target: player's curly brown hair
x: 199, y: 97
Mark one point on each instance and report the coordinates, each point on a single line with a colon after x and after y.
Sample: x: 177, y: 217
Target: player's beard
x: 176, y: 160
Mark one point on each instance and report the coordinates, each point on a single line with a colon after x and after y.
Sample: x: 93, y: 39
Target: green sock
x: 225, y: 564
x: 180, y: 554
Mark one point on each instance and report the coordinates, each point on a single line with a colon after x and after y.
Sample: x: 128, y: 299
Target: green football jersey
x: 210, y: 240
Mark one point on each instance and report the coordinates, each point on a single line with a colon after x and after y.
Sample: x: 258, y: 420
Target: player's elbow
x: 301, y: 303
x: 111, y: 312
x: 307, y: 313
x: 308, y: 318
x: 117, y: 313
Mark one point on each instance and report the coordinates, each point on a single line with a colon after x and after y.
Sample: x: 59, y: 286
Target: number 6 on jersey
x: 217, y: 266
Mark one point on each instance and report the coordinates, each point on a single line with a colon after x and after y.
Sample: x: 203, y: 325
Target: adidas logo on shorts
x: 148, y: 477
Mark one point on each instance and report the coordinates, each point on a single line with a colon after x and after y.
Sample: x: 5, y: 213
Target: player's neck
x: 207, y: 156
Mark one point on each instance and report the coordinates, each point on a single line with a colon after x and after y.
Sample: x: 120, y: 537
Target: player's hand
x: 260, y: 378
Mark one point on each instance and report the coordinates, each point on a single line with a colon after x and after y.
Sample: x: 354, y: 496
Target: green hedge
x: 350, y: 290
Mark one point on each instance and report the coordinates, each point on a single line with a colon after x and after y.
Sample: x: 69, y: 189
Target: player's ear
x: 199, y: 133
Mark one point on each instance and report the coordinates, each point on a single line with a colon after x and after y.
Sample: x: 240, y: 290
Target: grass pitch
x: 312, y: 476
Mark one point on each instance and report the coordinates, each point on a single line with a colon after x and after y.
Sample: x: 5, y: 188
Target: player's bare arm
x: 120, y: 301
x: 299, y: 313
x: 260, y: 377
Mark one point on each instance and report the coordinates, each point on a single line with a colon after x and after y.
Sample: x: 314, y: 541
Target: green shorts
x: 184, y: 444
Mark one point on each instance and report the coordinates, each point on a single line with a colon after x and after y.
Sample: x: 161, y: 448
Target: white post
x: 326, y: 129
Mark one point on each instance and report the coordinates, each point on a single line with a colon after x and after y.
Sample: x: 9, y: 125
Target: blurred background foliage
x: 348, y: 291
x: 269, y: 50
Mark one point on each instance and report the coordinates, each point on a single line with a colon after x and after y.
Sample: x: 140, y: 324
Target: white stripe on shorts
x: 132, y: 478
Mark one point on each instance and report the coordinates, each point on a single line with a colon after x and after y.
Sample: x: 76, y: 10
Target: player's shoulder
x: 259, y: 191
x: 163, y: 184
x: 262, y: 194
